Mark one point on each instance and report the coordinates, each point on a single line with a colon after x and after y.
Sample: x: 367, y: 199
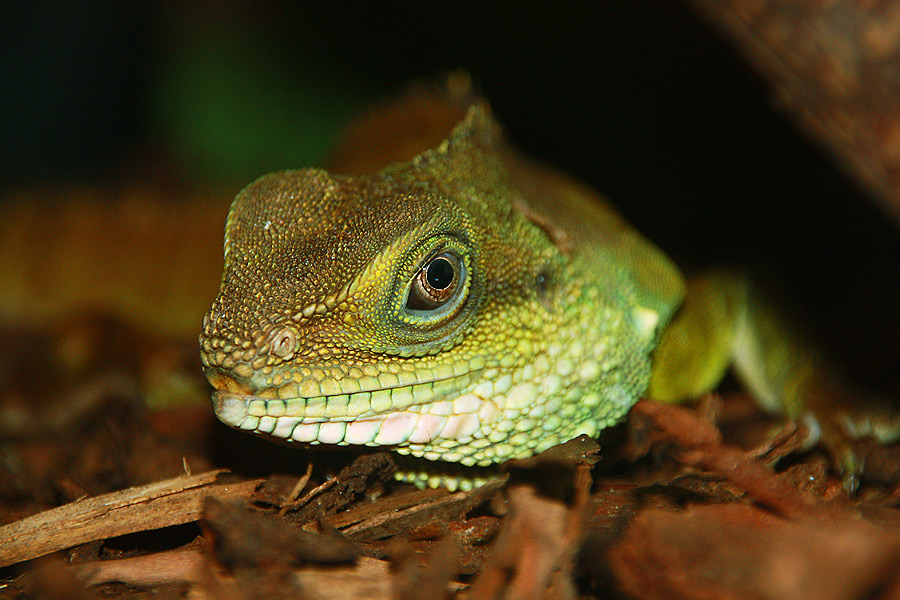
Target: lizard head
x: 418, y: 308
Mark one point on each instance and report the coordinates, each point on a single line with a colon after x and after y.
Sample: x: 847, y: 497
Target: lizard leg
x: 725, y: 321
x: 695, y: 348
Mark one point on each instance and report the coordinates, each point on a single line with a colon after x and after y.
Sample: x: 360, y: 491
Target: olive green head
x: 422, y: 308
x: 336, y: 287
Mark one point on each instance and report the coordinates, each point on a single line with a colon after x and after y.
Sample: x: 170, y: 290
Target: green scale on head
x: 466, y: 306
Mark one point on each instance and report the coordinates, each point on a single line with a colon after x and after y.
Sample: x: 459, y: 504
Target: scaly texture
x: 467, y: 306
x: 471, y: 306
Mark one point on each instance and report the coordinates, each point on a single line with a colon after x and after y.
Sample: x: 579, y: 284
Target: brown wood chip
x: 171, y: 502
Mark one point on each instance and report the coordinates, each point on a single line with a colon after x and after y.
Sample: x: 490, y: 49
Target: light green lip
x: 400, y: 416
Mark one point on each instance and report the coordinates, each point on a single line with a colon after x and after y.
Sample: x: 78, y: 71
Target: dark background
x: 637, y: 97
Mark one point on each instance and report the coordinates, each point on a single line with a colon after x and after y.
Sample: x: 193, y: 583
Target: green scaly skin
x: 549, y: 334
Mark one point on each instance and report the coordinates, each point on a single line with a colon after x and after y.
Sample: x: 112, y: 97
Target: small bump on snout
x: 284, y: 343
x: 225, y: 383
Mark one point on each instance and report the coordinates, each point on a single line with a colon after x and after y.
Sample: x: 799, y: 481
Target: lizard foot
x: 839, y: 426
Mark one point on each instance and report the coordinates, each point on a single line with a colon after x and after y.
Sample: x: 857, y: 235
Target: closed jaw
x: 385, y: 417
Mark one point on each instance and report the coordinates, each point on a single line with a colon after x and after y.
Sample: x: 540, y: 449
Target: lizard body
x: 467, y: 306
x: 132, y: 253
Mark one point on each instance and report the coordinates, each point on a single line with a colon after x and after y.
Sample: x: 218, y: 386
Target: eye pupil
x: 440, y: 273
x: 437, y: 282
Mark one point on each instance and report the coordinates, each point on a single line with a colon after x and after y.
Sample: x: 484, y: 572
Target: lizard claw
x: 848, y: 463
x: 839, y: 428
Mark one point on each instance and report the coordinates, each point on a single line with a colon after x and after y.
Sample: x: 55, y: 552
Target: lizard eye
x: 437, y: 282
x: 435, y: 294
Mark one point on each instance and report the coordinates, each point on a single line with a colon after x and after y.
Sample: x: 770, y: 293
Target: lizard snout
x: 223, y: 382
x: 240, y: 365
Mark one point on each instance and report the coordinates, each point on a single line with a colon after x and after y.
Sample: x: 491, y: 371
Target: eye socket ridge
x: 441, y: 279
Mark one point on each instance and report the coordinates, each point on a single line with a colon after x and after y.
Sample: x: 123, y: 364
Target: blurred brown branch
x: 834, y: 65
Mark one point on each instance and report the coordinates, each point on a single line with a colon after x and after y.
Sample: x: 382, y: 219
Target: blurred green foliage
x: 230, y: 107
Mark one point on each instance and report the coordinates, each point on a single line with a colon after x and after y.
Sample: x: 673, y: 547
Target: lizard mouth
x: 420, y: 414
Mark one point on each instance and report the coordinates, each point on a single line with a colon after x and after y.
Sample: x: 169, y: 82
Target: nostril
x: 284, y: 343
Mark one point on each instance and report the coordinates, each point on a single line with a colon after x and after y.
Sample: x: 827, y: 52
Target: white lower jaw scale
x: 396, y: 429
x: 332, y: 432
x: 306, y: 432
x: 362, y: 432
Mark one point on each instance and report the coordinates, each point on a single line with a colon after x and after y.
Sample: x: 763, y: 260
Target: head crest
x: 476, y: 132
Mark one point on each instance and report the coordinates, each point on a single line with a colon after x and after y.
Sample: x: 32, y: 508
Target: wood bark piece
x: 246, y: 537
x: 735, y: 551
x: 701, y: 446
x: 173, y: 566
x: 368, y: 579
x: 833, y: 66
x: 534, y: 555
x: 172, y: 502
x: 442, y: 508
x: 385, y: 504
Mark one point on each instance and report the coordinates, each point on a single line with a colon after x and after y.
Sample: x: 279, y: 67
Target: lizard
x: 471, y: 305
